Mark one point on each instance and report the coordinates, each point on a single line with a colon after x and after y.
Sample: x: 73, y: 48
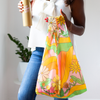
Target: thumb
x: 62, y: 13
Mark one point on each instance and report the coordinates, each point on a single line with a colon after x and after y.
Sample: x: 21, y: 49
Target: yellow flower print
x: 71, y: 80
x: 48, y: 87
x: 75, y: 66
x: 49, y: 29
x: 37, y: 90
x: 60, y: 20
x: 56, y: 83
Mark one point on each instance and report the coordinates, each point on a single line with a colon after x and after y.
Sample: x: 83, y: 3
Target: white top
x: 41, y: 9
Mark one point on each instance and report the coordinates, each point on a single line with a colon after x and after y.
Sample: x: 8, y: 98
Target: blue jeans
x: 27, y: 88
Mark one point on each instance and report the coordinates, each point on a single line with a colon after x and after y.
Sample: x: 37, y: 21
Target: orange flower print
x: 71, y: 80
x: 65, y: 85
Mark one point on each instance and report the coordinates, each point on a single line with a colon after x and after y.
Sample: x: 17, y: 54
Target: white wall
x: 16, y: 29
x: 3, y: 30
x: 87, y: 47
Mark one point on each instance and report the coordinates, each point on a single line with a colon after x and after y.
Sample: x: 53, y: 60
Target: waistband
x: 40, y: 48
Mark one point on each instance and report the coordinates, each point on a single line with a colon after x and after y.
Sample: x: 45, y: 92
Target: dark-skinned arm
x: 77, y: 12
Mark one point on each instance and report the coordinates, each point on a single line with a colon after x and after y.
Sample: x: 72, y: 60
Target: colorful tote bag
x: 60, y: 74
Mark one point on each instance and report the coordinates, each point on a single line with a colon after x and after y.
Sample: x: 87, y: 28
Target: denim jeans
x: 27, y: 88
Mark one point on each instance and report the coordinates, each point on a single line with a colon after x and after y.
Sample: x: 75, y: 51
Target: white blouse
x: 41, y: 9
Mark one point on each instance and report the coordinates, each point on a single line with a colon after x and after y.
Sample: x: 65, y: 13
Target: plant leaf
x: 24, y: 53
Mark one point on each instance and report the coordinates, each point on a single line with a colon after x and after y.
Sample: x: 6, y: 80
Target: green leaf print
x: 67, y: 90
x: 63, y: 47
x: 58, y: 95
x: 66, y: 30
x: 45, y: 83
x: 53, y: 36
x: 77, y: 80
x: 62, y: 32
x: 83, y: 80
x: 61, y: 93
x: 65, y: 34
x: 77, y: 93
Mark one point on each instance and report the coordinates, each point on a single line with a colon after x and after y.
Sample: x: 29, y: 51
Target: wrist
x: 68, y: 23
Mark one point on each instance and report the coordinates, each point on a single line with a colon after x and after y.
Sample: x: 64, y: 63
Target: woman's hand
x: 78, y: 15
x: 65, y: 17
x: 20, y: 6
x: 75, y: 29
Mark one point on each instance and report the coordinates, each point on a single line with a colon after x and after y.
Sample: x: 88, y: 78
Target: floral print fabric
x: 60, y: 74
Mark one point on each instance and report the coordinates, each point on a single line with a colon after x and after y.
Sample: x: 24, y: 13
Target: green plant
x: 23, y: 52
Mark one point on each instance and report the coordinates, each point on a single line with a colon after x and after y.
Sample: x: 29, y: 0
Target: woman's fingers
x: 20, y: 3
x: 64, y: 15
x: 21, y: 11
x: 20, y: 6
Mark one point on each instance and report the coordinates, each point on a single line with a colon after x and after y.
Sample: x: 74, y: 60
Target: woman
x: 70, y: 9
